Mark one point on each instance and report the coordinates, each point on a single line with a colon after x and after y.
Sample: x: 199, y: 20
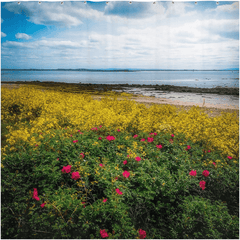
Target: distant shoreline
x: 117, y: 70
x: 112, y: 87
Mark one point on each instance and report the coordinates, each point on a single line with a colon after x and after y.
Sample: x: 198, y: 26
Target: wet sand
x: 97, y: 91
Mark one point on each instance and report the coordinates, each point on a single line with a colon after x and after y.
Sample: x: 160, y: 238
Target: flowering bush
x: 157, y: 194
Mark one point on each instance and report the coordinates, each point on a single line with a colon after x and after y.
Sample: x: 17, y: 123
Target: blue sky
x: 95, y: 35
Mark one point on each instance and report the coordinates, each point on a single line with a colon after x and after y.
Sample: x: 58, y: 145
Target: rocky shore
x: 123, y: 87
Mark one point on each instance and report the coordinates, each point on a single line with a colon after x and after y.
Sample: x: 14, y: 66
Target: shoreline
x: 167, y: 88
x: 97, y: 90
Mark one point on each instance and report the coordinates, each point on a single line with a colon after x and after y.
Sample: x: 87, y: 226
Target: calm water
x: 207, y: 79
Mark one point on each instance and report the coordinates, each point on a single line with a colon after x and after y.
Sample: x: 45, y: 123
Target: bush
x: 157, y: 194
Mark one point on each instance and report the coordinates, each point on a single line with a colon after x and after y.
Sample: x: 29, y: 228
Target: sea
x: 198, y: 79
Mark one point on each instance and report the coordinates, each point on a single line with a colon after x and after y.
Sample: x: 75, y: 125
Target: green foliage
x: 159, y: 196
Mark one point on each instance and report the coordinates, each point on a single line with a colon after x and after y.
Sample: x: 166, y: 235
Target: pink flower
x: 75, y: 175
x: 126, y: 174
x: 104, y: 200
x: 80, y: 132
x: 83, y: 204
x: 142, y: 140
x: 128, y: 156
x: 150, y: 133
x: 193, y: 173
x: 155, y: 134
x: 74, y: 141
x: 82, y: 155
x: 66, y: 169
x: 214, y: 163
x: 94, y: 128
x: 99, y: 138
x: 100, y: 126
x: 118, y: 130
x: 138, y: 159
x: 188, y: 147
x: 170, y: 140
x: 70, y: 135
x: 209, y: 151
x: 125, y: 162
x: 205, y: 173
x: 103, y: 233
x: 202, y: 184
x: 229, y: 157
x: 172, y: 135
x: 57, y: 159
x: 110, y: 138
x: 36, y: 145
x: 142, y: 234
x: 135, y: 136
x: 159, y: 146
x: 150, y: 139
x: 35, y: 194
x: 116, y: 178
x: 43, y: 204
x: 100, y: 165
x: 118, y: 191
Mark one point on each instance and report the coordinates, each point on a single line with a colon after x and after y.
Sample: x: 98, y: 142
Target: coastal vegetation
x: 75, y: 167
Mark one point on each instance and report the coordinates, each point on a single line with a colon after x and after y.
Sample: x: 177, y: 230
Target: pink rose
x: 116, y: 178
x: 99, y: 138
x: 125, y: 162
x: 142, y: 140
x: 35, y: 194
x: 138, y: 159
x: 82, y: 155
x: 126, y: 174
x: 36, y: 145
x: 202, y: 184
x: 83, y: 204
x: 118, y: 191
x: 229, y: 157
x: 142, y: 234
x: 150, y: 139
x: 128, y: 156
x: 94, y: 128
x: 214, y: 163
x: 100, y: 165
x: 209, y: 151
x: 70, y: 135
x: 193, y: 173
x: 104, y: 200
x: 172, y: 135
x: 103, y: 233
x: 75, y: 175
x: 74, y: 141
x: 57, y: 159
x: 205, y: 173
x: 135, y: 136
x: 110, y: 138
x: 170, y: 140
x: 43, y: 204
x: 100, y: 126
x: 188, y: 147
x: 118, y: 130
x: 66, y: 169
x: 159, y: 146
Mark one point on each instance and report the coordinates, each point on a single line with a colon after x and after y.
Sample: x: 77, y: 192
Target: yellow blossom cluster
x: 34, y: 111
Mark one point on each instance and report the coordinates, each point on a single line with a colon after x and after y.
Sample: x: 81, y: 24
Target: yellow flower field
x: 34, y: 111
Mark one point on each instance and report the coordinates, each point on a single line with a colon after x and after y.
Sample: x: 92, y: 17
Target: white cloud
x: 3, y: 34
x: 22, y: 36
x: 52, y: 13
x: 226, y: 8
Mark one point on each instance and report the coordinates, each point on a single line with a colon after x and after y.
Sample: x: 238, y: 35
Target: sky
x: 120, y: 35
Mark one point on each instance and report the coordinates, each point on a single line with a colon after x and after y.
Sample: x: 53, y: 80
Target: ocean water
x: 206, y: 79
